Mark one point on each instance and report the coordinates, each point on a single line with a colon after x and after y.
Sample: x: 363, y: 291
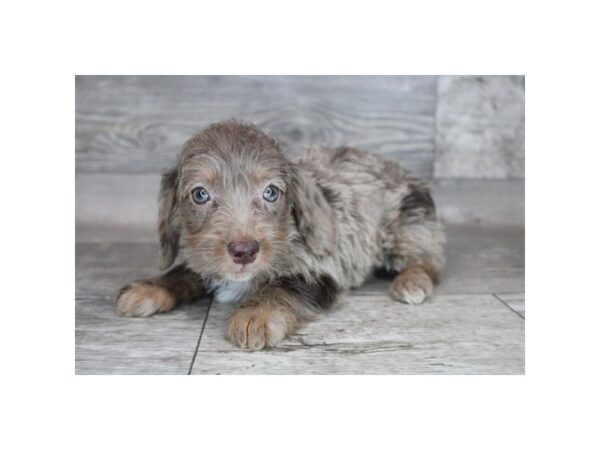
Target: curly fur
x: 341, y: 213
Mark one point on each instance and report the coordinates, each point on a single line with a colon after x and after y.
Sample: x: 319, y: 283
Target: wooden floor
x: 474, y: 324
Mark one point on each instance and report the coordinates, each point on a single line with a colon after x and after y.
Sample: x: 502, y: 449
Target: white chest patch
x: 231, y: 291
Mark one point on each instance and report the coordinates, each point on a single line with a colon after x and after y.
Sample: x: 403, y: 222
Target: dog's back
x: 382, y: 212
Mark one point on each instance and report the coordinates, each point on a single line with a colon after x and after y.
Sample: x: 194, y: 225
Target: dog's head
x: 235, y: 198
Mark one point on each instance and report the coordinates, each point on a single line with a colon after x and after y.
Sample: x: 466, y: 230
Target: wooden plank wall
x: 136, y: 124
x: 446, y: 126
x: 480, y: 127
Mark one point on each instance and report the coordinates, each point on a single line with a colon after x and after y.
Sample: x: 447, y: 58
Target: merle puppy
x: 284, y: 239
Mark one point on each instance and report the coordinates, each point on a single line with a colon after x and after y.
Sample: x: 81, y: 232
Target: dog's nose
x: 243, y: 252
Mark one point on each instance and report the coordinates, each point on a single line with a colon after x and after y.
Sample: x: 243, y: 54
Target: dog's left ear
x: 169, y: 228
x: 313, y: 214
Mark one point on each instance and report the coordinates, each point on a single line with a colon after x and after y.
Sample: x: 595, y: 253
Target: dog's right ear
x: 169, y: 227
x: 313, y: 214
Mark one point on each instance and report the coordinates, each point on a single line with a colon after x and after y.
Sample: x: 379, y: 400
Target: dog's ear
x: 313, y: 213
x: 169, y: 228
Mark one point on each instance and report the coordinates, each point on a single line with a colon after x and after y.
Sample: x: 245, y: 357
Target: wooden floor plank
x: 371, y: 334
x: 484, y: 260
x: 515, y: 301
x: 107, y: 344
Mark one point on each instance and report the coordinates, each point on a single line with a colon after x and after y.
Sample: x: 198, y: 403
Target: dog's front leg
x: 277, y: 310
x: 160, y: 294
x: 263, y: 321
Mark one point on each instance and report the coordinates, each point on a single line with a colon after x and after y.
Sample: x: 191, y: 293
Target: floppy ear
x: 169, y: 228
x: 313, y: 214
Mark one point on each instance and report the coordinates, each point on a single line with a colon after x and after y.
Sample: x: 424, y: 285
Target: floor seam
x: 200, y: 336
x: 508, y: 306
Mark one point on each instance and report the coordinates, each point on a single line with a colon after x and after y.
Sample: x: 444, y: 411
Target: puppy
x: 285, y: 239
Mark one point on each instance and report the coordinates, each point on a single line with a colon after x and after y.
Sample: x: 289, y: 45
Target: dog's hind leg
x: 412, y: 242
x: 160, y: 294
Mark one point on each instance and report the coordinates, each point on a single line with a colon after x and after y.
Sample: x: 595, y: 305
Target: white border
x: 46, y: 43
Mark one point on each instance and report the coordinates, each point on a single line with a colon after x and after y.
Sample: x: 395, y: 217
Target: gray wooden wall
x: 439, y: 127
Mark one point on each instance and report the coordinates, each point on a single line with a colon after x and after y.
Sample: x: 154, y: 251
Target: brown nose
x: 243, y: 252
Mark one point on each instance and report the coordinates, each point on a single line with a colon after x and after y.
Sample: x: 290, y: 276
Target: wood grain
x: 371, y: 334
x: 138, y: 124
x: 107, y: 344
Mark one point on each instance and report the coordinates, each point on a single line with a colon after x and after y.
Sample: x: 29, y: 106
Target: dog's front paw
x: 142, y: 299
x: 412, y: 286
x: 255, y: 327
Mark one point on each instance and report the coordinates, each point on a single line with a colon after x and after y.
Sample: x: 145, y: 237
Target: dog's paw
x: 142, y: 299
x: 256, y: 327
x: 412, y: 286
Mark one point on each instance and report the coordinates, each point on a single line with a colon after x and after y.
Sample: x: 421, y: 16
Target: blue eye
x: 271, y: 193
x: 200, y: 195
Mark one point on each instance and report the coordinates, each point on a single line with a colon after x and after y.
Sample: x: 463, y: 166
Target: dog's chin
x: 244, y: 273
x: 236, y: 278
